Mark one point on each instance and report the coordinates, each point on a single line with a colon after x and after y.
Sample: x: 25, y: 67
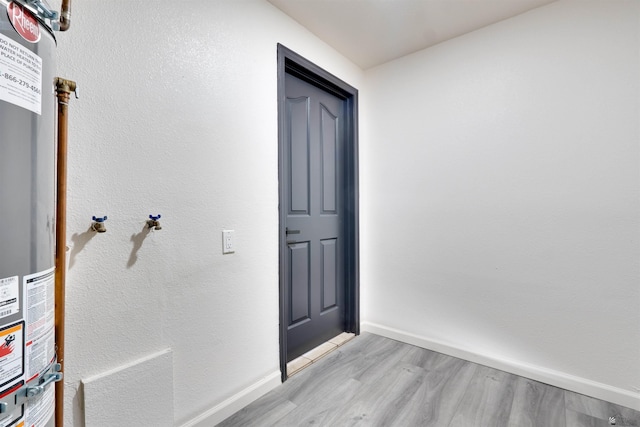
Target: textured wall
x: 501, y: 192
x: 177, y: 116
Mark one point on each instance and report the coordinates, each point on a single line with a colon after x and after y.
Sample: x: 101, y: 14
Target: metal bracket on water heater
x: 52, y: 375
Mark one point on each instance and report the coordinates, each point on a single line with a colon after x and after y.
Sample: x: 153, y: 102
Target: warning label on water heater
x: 40, y: 408
x: 11, y: 351
x: 20, y: 75
x: 39, y: 299
x: 39, y: 303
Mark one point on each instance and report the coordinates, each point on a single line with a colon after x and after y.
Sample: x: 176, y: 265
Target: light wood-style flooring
x: 317, y: 353
x: 376, y: 381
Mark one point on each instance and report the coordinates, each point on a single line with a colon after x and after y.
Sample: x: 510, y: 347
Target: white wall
x: 500, y: 185
x: 177, y: 116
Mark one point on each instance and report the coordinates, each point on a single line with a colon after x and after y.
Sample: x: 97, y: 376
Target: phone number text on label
x: 21, y: 82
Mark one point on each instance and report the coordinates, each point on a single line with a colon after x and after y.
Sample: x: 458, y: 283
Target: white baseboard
x: 236, y: 402
x: 537, y: 373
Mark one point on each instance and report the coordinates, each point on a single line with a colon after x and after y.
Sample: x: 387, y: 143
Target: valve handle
x: 155, y: 218
x: 98, y: 219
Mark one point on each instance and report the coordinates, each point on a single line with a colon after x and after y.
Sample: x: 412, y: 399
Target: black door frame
x: 294, y: 64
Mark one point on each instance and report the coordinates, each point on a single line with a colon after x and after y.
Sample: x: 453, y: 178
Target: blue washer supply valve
x: 153, y: 222
x: 98, y: 224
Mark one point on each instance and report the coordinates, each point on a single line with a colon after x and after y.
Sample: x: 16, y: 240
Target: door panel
x: 328, y: 138
x: 300, y: 282
x: 298, y: 115
x: 314, y: 195
x: 329, y: 274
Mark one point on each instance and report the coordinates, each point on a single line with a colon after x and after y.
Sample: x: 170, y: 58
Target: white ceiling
x: 371, y: 32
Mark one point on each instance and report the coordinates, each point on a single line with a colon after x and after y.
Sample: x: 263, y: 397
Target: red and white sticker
x: 24, y: 22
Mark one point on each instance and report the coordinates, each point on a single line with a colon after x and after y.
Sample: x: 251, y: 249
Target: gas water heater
x: 28, y: 366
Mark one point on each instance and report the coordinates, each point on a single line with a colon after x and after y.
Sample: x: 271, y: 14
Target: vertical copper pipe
x: 63, y: 91
x: 65, y: 15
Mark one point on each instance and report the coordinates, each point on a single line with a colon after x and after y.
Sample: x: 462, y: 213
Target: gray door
x: 314, y: 192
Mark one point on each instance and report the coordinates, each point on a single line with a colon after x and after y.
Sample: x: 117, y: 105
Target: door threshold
x: 298, y: 364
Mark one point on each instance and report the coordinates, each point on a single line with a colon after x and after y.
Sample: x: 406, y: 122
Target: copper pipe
x: 63, y: 90
x: 65, y: 15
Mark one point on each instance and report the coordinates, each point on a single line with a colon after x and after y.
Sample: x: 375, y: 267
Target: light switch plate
x: 228, y: 244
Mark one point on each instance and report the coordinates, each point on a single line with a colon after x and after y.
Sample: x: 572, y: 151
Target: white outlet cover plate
x: 228, y: 243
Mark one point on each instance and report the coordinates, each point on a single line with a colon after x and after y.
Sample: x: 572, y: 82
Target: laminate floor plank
x: 265, y: 411
x: 579, y: 419
x: 378, y: 403
x: 599, y: 409
x: 320, y: 411
x: 537, y: 404
x: 419, y: 357
x: 435, y: 402
x: 376, y: 365
x: 376, y: 381
x: 487, y: 400
x: 320, y: 378
x: 365, y: 365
